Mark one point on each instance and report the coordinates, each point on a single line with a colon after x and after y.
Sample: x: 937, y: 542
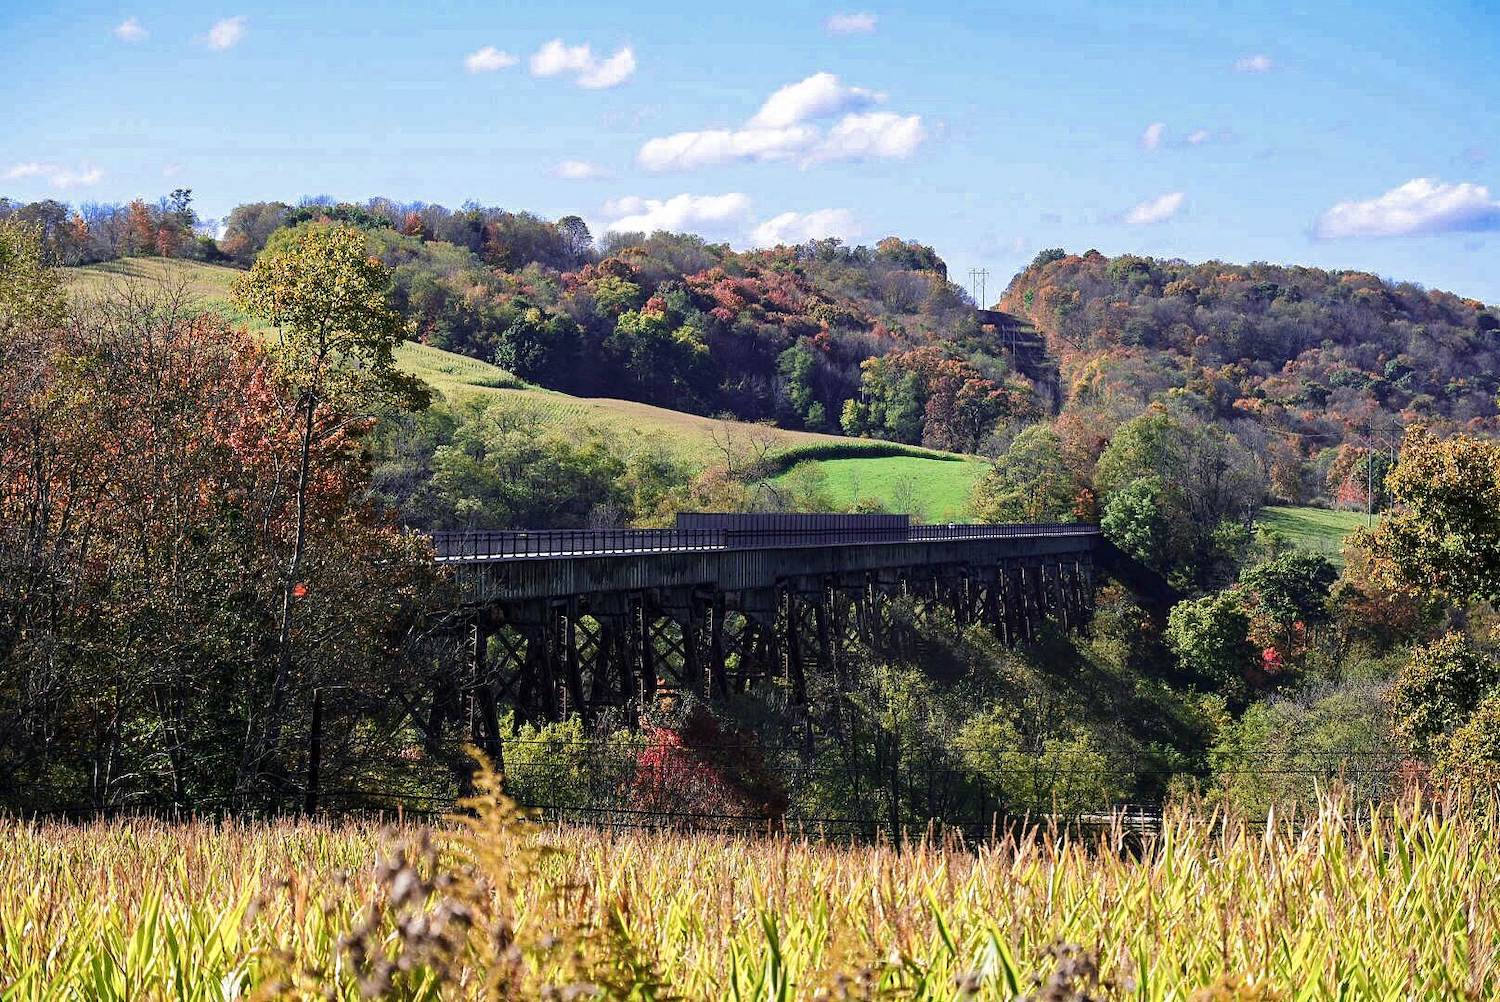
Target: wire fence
x: 635, y: 781
x: 873, y: 790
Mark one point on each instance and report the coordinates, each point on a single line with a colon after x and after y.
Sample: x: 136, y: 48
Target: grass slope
x: 938, y: 488
x: 1317, y: 529
x: 855, y: 467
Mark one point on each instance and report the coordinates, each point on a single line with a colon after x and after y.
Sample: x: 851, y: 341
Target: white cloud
x: 861, y: 23
x: 1198, y: 137
x: 227, y: 33
x: 1258, y: 63
x: 556, y: 58
x: 1420, y: 206
x: 130, y: 30
x: 1155, y: 210
x: 579, y: 170
x: 686, y: 150
x: 876, y: 134
x: 800, y: 227
x: 171, y: 170
x: 782, y: 130
x: 57, y: 176
x: 1151, y: 138
x: 819, y: 96
x: 488, y: 60
x: 680, y: 212
x: 611, y: 73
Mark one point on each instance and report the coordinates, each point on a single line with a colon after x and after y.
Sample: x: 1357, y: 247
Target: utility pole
x: 977, y: 278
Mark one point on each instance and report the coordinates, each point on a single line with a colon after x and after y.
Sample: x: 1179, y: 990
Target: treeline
x: 792, y: 335
x: 96, y: 231
x: 1316, y: 372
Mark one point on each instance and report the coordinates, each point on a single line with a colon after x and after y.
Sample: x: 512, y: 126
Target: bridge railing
x: 474, y: 545
x: 499, y: 545
x: 968, y: 530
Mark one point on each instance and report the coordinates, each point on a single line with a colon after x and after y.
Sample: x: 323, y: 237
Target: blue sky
x: 1335, y: 134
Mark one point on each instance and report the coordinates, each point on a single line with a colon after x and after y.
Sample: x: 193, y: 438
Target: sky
x: 1342, y: 135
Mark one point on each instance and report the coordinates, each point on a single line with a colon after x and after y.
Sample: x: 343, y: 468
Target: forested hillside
x: 1312, y: 374
x: 789, y: 334
x: 1312, y: 370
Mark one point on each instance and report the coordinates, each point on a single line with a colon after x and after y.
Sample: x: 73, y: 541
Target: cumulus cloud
x: 556, y: 58
x: 227, y: 33
x: 612, y: 72
x: 686, y: 150
x: 130, y: 30
x: 488, y: 60
x: 1155, y: 210
x: 1151, y: 138
x: 633, y: 214
x: 56, y: 175
x: 1198, y: 137
x: 1420, y: 206
x: 876, y: 134
x: 783, y: 129
x: 579, y: 170
x: 800, y: 227
x: 1257, y: 63
x: 861, y: 23
x: 819, y: 96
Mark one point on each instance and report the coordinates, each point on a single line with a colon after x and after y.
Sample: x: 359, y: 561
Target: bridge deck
x: 529, y: 566
x: 555, y: 544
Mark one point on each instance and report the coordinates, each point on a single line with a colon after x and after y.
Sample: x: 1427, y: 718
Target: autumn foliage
x: 146, y: 509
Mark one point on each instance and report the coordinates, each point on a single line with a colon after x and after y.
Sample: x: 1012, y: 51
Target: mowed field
x: 937, y: 488
x: 863, y: 468
x: 1319, y: 530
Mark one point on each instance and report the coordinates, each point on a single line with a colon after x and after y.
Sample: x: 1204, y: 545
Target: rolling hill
x: 853, y: 468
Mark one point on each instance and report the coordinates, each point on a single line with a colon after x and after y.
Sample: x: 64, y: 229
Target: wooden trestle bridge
x: 575, y: 621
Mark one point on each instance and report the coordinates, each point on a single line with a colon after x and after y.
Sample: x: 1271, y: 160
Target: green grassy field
x: 863, y: 467
x: 1317, y: 529
x: 936, y: 489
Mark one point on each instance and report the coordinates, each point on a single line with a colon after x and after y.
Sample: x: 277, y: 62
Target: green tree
x: 797, y: 366
x: 667, y: 362
x: 30, y: 292
x: 1134, y: 521
x: 325, y: 296
x: 1284, y: 749
x: 1211, y: 637
x: 1444, y: 534
x: 1470, y: 756
x: 1440, y: 687
x: 1030, y: 482
x: 503, y: 469
x: 541, y: 347
x: 1207, y: 488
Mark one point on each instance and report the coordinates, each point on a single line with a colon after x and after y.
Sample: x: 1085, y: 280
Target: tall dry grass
x: 1400, y: 905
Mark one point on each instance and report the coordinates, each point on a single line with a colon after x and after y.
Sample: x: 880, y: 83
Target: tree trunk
x: 314, y: 754
x: 269, y: 732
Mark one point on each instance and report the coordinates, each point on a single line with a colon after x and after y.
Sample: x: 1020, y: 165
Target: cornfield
x: 1398, y: 904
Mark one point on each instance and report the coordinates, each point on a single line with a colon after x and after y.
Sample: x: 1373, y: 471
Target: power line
x: 977, y: 277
